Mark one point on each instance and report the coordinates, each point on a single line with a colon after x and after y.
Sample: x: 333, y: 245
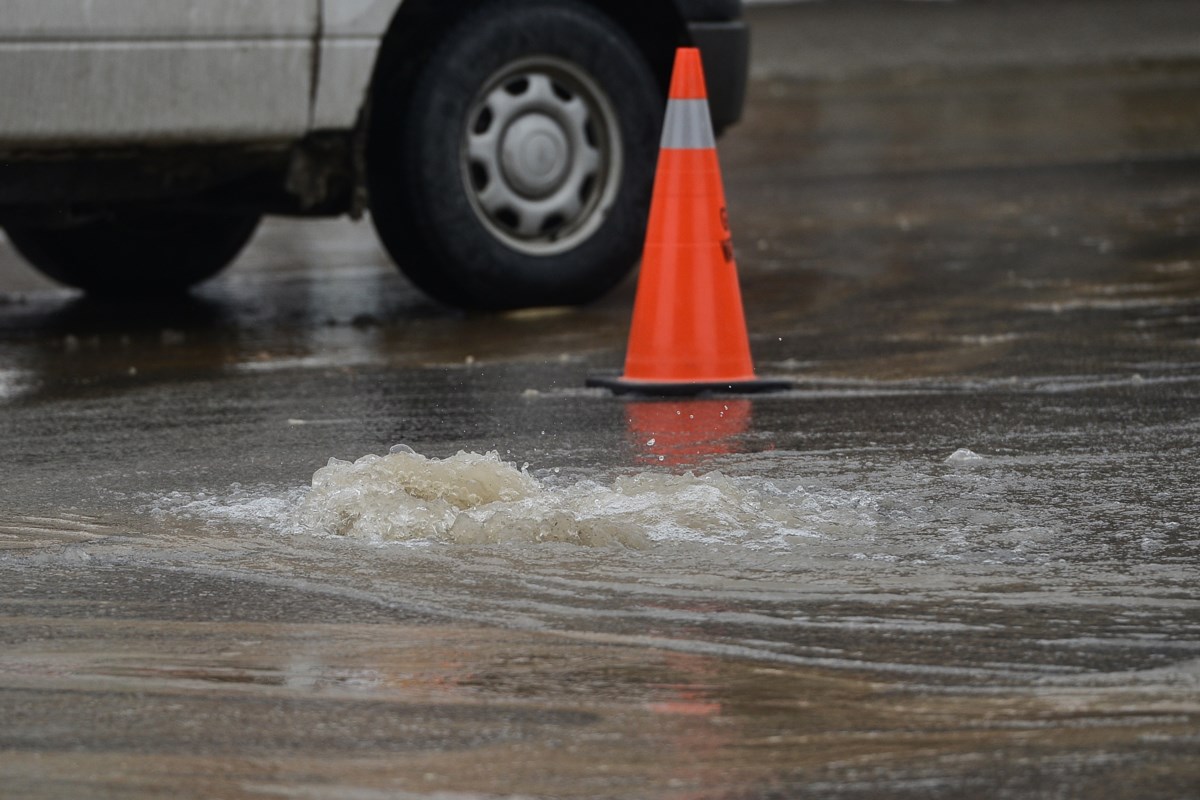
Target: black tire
x: 135, y: 253
x: 584, y: 99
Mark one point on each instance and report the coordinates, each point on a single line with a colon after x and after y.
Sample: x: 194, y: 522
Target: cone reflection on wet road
x: 683, y: 433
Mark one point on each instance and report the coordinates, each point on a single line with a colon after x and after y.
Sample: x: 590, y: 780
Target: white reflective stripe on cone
x: 688, y: 126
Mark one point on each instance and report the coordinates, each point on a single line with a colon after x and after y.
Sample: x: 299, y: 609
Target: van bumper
x: 725, y: 50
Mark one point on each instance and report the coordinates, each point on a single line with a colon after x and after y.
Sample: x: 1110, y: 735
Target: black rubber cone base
x: 619, y: 385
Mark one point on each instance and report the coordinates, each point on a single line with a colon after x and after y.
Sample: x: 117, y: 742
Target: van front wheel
x: 516, y: 170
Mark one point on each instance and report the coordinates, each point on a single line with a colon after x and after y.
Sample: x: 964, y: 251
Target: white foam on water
x: 815, y: 515
x: 964, y: 510
x: 471, y: 498
x: 13, y: 383
x: 964, y: 456
x: 261, y: 506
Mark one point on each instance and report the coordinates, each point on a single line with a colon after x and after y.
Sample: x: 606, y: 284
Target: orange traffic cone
x: 689, y: 331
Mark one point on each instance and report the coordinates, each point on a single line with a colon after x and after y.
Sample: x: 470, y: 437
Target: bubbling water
x: 472, y: 498
x: 466, y: 498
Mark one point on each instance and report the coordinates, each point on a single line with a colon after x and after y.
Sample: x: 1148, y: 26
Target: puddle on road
x: 848, y: 565
x: 387, y: 625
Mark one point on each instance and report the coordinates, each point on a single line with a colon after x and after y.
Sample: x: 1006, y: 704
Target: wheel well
x: 416, y: 29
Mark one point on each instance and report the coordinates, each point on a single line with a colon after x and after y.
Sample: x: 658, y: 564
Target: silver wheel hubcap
x: 535, y: 155
x: 541, y: 155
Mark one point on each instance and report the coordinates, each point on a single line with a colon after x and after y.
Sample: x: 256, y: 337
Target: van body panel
x: 344, y: 79
x: 352, y: 32
x: 115, y: 72
x: 358, y: 18
x: 124, y: 20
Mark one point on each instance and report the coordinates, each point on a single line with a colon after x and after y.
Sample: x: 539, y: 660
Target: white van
x: 504, y: 148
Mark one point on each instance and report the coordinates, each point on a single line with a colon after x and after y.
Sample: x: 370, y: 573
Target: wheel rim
x: 541, y: 155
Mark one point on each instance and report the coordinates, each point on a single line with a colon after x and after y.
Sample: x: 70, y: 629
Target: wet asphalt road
x: 953, y: 247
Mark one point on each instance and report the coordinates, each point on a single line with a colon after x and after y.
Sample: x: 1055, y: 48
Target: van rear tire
x: 136, y: 253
